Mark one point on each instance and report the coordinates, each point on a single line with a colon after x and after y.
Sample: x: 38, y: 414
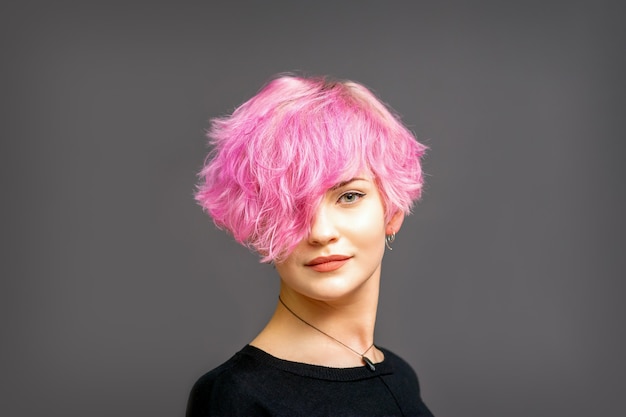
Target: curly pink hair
x: 278, y: 153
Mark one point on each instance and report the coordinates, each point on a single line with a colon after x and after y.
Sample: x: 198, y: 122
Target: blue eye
x: 350, y: 197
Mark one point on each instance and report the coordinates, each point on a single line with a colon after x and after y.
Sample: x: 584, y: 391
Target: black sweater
x: 253, y: 383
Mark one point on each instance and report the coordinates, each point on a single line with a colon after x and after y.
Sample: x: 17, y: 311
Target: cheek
x: 295, y: 260
x: 369, y: 228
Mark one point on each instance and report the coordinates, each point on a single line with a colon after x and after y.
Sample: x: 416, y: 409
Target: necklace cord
x: 367, y: 361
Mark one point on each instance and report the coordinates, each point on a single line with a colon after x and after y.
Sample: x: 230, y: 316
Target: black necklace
x: 367, y: 361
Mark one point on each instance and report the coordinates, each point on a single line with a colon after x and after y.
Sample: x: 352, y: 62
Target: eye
x: 350, y: 197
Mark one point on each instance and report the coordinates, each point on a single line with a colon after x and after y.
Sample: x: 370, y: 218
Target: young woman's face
x: 345, y: 248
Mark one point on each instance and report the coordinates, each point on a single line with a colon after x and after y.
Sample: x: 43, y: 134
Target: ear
x: 395, y: 223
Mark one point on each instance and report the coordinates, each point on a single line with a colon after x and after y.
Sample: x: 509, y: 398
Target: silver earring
x: 389, y: 240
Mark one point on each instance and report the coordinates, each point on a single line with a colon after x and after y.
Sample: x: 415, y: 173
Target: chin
x: 338, y: 286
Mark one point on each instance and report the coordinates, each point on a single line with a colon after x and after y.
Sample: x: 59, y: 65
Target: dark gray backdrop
x: 503, y: 290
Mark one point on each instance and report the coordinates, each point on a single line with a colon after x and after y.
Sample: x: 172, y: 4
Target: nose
x: 323, y: 230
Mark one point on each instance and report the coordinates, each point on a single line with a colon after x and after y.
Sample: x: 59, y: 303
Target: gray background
x: 504, y: 289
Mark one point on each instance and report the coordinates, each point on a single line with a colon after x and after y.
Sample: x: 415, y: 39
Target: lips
x: 328, y: 263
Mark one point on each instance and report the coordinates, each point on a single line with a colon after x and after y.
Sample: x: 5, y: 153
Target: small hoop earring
x: 389, y: 240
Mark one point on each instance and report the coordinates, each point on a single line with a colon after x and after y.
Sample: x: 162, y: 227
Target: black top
x: 254, y: 383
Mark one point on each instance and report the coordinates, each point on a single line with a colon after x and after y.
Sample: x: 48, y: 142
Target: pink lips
x: 328, y: 263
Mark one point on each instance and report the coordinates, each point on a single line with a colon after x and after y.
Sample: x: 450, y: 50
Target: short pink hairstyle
x: 275, y: 156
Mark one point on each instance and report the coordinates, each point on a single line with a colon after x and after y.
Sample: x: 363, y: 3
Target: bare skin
x: 342, y: 302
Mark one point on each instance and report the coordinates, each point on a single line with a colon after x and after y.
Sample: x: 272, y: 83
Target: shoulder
x: 405, y: 385
x: 403, y: 374
x: 398, y: 364
x: 227, y: 389
x: 228, y: 372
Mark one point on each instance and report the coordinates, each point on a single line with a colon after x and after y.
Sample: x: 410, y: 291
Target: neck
x: 351, y: 320
x: 366, y: 360
x: 318, y: 331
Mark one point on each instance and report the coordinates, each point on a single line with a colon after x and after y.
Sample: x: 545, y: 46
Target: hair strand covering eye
x: 275, y: 156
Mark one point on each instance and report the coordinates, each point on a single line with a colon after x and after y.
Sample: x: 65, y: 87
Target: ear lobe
x: 395, y: 223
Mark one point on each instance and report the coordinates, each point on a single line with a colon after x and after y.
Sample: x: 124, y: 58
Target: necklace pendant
x: 369, y: 363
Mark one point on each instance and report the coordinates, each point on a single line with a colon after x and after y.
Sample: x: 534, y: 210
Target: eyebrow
x: 344, y: 183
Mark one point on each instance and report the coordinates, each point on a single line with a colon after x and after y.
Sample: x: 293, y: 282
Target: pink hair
x: 278, y: 153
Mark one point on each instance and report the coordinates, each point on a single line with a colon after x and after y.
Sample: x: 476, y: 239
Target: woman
x: 316, y: 176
